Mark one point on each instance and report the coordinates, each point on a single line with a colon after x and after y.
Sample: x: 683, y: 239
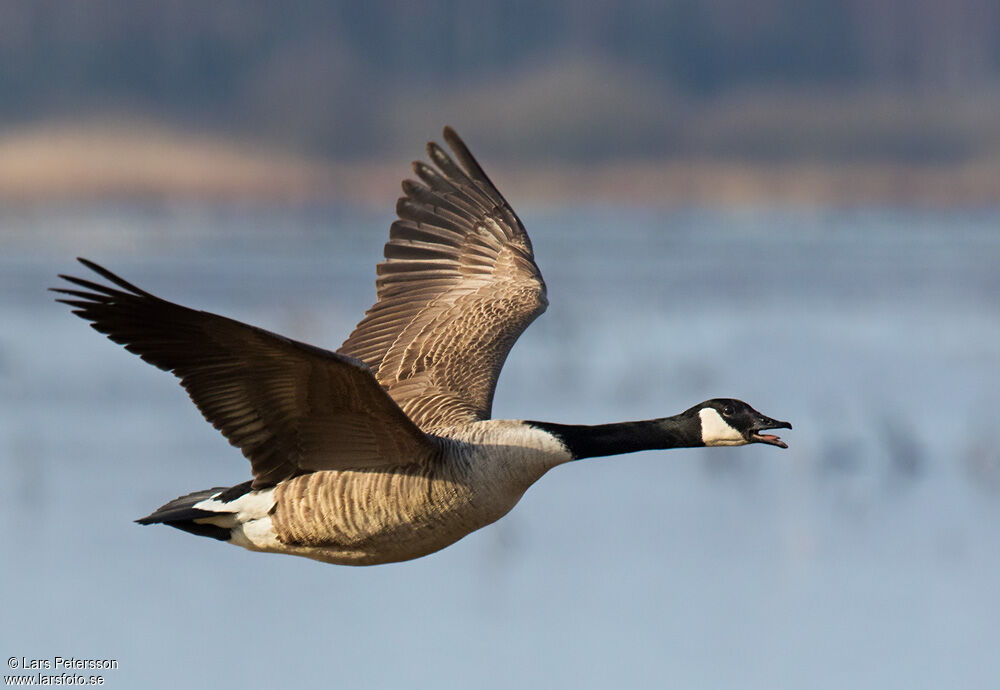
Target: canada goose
x: 384, y: 450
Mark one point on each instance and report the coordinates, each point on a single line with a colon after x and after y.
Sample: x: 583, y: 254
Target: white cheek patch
x: 715, y: 431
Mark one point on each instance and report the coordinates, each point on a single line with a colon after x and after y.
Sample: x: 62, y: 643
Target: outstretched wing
x: 290, y: 407
x: 458, y: 286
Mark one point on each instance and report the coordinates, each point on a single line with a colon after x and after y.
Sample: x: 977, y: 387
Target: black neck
x: 680, y: 431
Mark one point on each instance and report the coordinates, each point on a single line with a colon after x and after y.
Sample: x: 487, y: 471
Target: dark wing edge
x: 290, y: 407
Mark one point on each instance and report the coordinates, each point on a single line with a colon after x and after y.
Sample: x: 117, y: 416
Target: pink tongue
x: 773, y: 439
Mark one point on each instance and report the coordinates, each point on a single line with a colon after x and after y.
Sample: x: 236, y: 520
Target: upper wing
x: 458, y: 286
x: 290, y: 407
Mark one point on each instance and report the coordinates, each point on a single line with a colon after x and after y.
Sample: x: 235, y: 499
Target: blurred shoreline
x: 128, y: 161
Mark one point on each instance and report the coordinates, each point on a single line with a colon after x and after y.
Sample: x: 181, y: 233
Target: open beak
x: 768, y: 423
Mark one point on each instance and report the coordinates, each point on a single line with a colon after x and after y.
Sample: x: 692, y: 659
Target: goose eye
x: 727, y: 411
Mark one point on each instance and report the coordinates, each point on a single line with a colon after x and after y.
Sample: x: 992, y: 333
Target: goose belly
x: 371, y: 517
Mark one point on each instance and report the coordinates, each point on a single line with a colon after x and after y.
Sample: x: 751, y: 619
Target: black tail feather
x: 201, y: 529
x: 181, y: 508
x: 181, y: 513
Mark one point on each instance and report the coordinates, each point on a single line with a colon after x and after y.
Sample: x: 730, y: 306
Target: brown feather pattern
x: 458, y: 286
x: 290, y: 407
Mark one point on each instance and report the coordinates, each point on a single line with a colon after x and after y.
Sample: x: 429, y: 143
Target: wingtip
x: 93, y: 266
x: 107, y: 275
x: 62, y: 290
x: 410, y: 187
x: 452, y: 139
x: 434, y: 150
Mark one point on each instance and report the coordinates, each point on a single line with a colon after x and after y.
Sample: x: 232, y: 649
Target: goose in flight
x: 385, y: 450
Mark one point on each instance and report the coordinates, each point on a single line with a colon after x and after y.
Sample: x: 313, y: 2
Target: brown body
x: 366, y: 517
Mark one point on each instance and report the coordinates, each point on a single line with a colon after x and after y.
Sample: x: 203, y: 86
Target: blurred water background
x: 866, y: 555
x: 794, y: 203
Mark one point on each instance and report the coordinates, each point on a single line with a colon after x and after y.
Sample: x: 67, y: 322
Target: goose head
x: 729, y: 422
